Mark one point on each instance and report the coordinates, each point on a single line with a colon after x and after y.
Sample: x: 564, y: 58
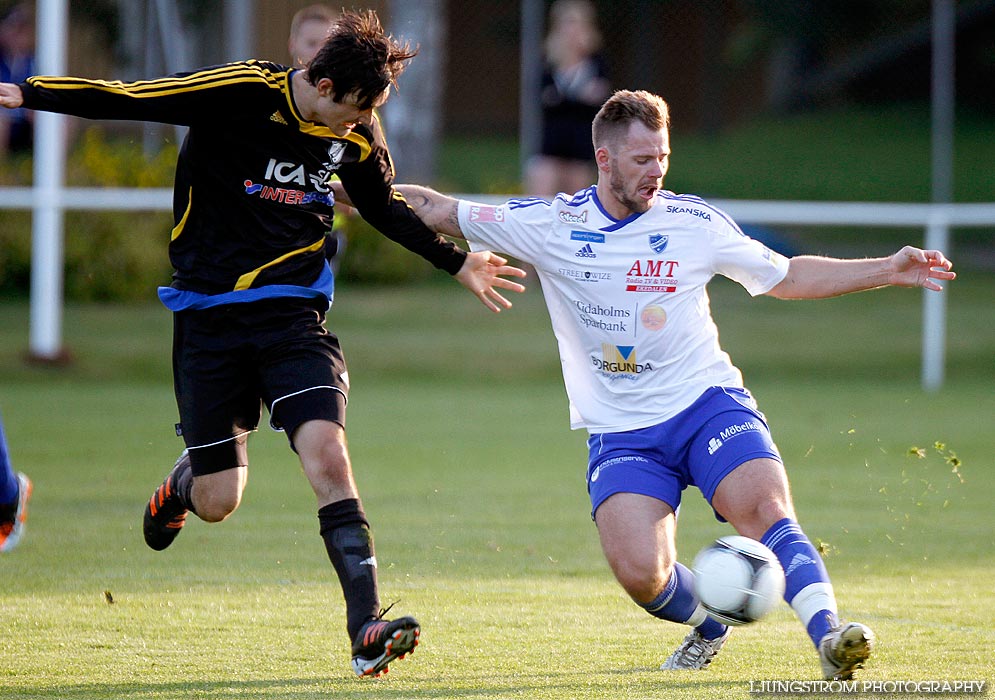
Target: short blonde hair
x: 625, y: 107
x: 312, y: 13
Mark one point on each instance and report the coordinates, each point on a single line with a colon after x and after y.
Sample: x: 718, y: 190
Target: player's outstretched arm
x: 439, y: 212
x: 813, y: 277
x: 483, y: 272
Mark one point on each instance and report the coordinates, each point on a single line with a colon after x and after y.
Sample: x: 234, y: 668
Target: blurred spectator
x: 308, y: 31
x: 17, y: 62
x: 574, y: 85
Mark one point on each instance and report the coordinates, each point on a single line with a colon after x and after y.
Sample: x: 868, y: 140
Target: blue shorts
x: 698, y: 447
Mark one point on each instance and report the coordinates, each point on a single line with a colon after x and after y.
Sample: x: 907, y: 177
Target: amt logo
x: 653, y: 268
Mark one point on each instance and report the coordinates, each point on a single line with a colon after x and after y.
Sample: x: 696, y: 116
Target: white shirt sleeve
x: 746, y: 260
x: 519, y: 227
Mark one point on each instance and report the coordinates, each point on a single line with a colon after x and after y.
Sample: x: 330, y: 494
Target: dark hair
x: 625, y: 107
x: 359, y: 57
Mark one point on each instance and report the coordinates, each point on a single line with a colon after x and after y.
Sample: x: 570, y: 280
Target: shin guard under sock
x: 678, y: 603
x: 183, y: 483
x: 806, y: 582
x: 349, y: 543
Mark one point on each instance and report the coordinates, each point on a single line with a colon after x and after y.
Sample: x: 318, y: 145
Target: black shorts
x: 230, y: 360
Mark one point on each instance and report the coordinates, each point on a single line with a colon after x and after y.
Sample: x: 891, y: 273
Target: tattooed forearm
x: 454, y: 219
x: 439, y: 212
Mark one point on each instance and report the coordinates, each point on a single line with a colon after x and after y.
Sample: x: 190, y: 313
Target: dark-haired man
x: 250, y: 290
x: 624, y: 267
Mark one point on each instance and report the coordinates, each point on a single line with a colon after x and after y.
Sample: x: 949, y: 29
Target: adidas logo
x: 586, y: 252
x: 797, y: 561
x: 278, y: 118
x: 372, y: 561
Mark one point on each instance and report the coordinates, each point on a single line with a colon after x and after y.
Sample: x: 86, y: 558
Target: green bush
x: 373, y: 259
x: 115, y: 256
x: 109, y: 256
x: 15, y: 252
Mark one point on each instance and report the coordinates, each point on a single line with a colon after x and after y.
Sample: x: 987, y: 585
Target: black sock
x: 183, y: 484
x: 349, y: 543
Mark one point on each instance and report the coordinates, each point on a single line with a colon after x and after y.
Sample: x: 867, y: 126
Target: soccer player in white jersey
x: 624, y: 266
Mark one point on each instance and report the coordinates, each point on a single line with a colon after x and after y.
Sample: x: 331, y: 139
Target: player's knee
x: 327, y: 467
x: 755, y: 518
x: 215, y: 511
x: 215, y: 505
x: 641, y: 577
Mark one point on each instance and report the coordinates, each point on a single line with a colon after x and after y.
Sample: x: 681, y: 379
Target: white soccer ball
x: 738, y: 580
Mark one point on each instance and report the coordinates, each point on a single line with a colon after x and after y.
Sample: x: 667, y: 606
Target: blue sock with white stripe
x: 8, y: 479
x: 678, y: 603
x: 806, y: 582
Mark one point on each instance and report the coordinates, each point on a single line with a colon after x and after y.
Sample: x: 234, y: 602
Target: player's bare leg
x: 638, y: 538
x: 212, y: 497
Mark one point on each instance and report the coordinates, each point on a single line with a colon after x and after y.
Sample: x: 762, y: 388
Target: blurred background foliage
x: 805, y: 100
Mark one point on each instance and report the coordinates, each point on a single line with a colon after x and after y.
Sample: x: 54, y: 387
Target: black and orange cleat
x: 165, y: 513
x: 14, y: 516
x: 381, y: 641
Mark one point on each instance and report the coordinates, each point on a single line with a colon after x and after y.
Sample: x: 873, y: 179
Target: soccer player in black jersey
x: 251, y: 286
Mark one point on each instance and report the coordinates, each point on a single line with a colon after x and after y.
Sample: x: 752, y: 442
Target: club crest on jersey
x: 335, y: 152
x: 658, y: 242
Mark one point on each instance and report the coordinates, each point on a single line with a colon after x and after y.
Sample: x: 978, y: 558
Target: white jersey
x: 627, y: 298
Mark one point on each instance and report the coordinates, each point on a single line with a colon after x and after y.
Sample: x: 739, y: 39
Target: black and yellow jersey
x: 251, y: 198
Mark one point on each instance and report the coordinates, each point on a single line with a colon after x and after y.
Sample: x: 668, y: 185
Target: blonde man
x: 624, y: 266
x: 308, y: 32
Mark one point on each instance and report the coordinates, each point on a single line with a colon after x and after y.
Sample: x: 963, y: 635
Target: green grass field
x: 458, y: 432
